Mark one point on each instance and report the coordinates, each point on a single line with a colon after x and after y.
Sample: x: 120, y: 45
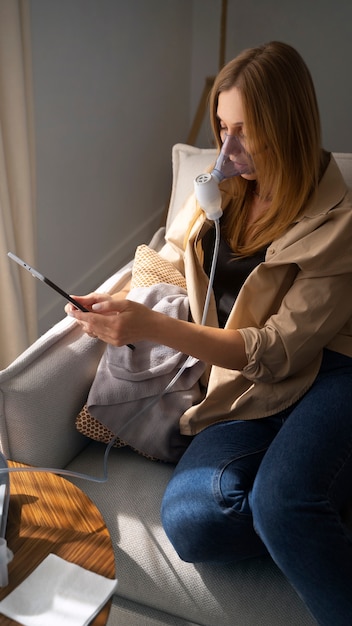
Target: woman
x: 269, y: 469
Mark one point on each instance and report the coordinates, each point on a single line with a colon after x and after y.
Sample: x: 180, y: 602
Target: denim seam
x: 217, y: 493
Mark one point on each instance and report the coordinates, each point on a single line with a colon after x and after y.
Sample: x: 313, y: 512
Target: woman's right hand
x: 87, y: 301
x: 114, y: 319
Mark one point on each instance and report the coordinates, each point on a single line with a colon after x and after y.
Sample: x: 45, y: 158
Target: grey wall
x: 321, y: 30
x: 111, y: 89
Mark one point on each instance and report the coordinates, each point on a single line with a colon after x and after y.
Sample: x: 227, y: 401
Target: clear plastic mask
x: 233, y: 160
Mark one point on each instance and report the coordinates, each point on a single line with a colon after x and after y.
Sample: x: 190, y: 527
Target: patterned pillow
x: 90, y: 427
x: 149, y: 268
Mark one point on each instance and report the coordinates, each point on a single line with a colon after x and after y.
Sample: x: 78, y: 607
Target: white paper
x: 58, y: 593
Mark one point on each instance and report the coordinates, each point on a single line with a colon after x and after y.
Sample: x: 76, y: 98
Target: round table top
x: 48, y: 514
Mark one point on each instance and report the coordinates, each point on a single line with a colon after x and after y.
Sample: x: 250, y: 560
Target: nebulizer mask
x: 233, y: 160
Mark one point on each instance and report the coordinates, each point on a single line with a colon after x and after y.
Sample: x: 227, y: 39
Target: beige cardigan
x: 291, y: 306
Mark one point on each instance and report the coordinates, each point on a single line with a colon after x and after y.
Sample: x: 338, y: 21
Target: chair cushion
x: 187, y: 163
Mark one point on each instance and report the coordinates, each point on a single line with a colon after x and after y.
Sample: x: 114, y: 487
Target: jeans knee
x: 203, y: 530
x: 182, y: 530
x: 272, y: 512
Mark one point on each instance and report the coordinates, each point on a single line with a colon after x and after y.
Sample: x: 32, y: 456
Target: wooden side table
x: 48, y: 514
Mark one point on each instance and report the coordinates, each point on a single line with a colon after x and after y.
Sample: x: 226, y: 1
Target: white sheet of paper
x: 58, y: 593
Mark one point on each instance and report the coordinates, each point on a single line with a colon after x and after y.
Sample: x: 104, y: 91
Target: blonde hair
x: 281, y: 114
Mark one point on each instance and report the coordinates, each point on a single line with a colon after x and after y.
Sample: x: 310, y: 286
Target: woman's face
x: 230, y: 116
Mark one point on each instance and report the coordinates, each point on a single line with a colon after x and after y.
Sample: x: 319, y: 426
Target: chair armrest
x: 42, y: 391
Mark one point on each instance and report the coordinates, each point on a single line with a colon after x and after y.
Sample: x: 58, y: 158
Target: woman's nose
x: 233, y: 146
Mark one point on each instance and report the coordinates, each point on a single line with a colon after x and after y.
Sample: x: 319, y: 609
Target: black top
x: 230, y: 274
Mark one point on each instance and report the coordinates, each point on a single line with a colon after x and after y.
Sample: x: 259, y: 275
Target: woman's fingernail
x: 96, y: 306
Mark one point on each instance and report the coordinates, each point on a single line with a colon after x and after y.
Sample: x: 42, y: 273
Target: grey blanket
x: 127, y: 392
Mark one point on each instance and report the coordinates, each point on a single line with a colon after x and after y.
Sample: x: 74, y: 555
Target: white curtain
x: 18, y: 326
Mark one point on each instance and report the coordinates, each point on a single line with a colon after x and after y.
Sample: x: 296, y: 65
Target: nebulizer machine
x: 233, y: 160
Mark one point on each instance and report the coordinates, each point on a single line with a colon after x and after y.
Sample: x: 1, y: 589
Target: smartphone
x: 49, y: 282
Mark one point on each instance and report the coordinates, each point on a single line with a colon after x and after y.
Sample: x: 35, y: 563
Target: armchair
x: 40, y: 395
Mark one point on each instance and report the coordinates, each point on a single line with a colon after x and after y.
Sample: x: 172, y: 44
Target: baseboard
x: 111, y: 262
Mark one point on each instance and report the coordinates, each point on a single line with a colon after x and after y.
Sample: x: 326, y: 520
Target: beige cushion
x: 187, y: 163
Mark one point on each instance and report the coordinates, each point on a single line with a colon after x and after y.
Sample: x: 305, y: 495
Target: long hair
x: 283, y: 128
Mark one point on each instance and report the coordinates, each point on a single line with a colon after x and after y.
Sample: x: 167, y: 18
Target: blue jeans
x: 276, y: 485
